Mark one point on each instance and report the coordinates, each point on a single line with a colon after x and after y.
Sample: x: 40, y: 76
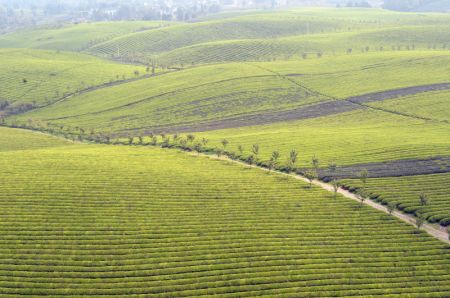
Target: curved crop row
x: 113, y: 220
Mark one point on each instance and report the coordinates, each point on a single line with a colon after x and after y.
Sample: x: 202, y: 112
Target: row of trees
x: 191, y: 143
x: 200, y: 145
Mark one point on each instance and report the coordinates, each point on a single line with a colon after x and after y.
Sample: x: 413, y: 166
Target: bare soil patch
x: 313, y: 111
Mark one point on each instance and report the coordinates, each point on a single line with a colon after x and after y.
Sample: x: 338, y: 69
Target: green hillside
x: 406, y: 38
x: 143, y: 159
x: 111, y: 220
x: 33, y: 78
x: 16, y: 139
x: 201, y: 95
x: 262, y: 36
x: 405, y: 193
x: 75, y: 37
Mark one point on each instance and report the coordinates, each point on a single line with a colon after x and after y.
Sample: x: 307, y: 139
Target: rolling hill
x: 109, y: 220
x: 35, y: 78
x: 168, y: 177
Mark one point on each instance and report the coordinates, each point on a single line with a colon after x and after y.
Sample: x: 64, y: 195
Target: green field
x: 74, y: 37
x: 356, y: 137
x: 222, y: 91
x: 405, y: 192
x: 262, y: 36
x: 16, y: 140
x: 109, y: 220
x: 432, y: 105
x: 91, y: 205
x: 407, y: 38
x: 38, y: 77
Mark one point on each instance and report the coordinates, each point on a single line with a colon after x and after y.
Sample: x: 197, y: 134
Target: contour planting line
x: 355, y: 102
x: 438, y: 232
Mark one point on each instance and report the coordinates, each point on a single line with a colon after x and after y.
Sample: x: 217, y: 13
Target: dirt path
x: 436, y: 231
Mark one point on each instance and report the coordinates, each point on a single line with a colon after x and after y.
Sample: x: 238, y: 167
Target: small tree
x: 198, y: 148
x: 190, y: 138
x: 130, y: 140
x: 140, y: 140
x: 336, y: 184
x: 423, y: 199
x: 273, y: 160
x: 218, y: 152
x: 251, y: 160
x: 332, y: 167
x: 255, y: 150
x: 224, y: 144
x: 165, y: 142
x: 293, y: 155
x: 205, y: 141
x: 275, y: 157
x: 315, y: 163
x: 419, y: 221
x: 311, y: 176
x: 154, y: 141
x: 391, y: 208
x: 175, y: 137
x: 363, y: 175
x: 361, y: 194
x: 240, y: 149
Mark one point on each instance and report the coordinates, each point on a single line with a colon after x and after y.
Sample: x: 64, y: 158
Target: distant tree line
x: 32, y: 12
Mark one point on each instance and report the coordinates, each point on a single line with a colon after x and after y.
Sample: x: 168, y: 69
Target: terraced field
x: 405, y: 193
x: 192, y: 98
x: 432, y: 105
x: 73, y: 37
x: 358, y: 88
x: 38, y: 78
x: 109, y: 220
x: 262, y: 36
x: 311, y: 46
x: 350, y: 138
x: 16, y: 140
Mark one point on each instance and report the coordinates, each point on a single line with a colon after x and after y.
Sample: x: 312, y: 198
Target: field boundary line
x: 350, y: 99
x: 438, y: 232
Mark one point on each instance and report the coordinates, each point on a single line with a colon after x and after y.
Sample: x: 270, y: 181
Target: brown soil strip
x: 314, y: 111
x: 395, y: 168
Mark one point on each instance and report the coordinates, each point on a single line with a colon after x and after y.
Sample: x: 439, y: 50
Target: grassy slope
x: 16, y: 139
x: 350, y: 75
x: 349, y: 138
x: 72, y: 37
x: 279, y: 35
x: 221, y: 91
x: 431, y: 105
x: 389, y: 39
x: 404, y: 192
x: 91, y: 220
x: 51, y: 74
x: 257, y: 26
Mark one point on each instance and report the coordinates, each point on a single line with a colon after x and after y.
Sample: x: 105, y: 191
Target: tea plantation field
x: 405, y: 193
x: 38, y: 77
x: 112, y: 220
x: 73, y: 37
x: 253, y: 37
x: 224, y: 91
x: 16, y: 139
x: 99, y: 200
